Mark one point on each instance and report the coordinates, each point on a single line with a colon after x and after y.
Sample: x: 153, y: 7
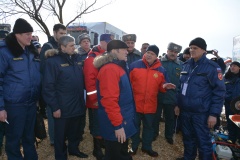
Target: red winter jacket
x: 90, y: 77
x: 146, y: 82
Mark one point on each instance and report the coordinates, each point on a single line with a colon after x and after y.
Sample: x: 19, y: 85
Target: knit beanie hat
x: 235, y: 63
x: 22, y: 26
x: 186, y: 50
x: 199, y: 42
x: 153, y: 48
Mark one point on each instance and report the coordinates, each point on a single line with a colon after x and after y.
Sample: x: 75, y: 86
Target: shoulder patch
x: 220, y: 76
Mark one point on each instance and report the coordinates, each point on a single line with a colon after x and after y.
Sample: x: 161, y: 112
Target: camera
x: 209, y: 51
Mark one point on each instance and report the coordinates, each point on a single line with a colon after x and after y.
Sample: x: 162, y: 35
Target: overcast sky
x: 162, y: 21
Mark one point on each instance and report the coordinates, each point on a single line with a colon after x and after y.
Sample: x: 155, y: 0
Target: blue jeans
x: 50, y: 125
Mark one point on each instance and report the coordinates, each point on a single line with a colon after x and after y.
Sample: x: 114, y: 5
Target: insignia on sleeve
x: 220, y: 76
x: 219, y: 70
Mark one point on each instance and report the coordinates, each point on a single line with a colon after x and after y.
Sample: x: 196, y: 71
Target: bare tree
x: 41, y: 10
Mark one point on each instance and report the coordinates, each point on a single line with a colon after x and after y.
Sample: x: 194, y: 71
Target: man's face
x: 131, y: 45
x: 85, y: 44
x: 186, y: 56
x: 144, y: 48
x: 103, y: 45
x: 59, y: 33
x: 122, y: 54
x: 234, y: 68
x: 24, y: 39
x: 69, y: 48
x: 172, y: 55
x: 150, y: 57
x: 196, y: 52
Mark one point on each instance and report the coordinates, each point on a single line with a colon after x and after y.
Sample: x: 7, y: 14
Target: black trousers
x: 66, y: 128
x: 116, y: 151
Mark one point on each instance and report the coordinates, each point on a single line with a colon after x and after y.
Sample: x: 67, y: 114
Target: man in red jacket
x: 147, y: 77
x: 90, y: 76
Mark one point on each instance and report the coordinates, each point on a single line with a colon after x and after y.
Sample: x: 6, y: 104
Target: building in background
x: 236, y: 49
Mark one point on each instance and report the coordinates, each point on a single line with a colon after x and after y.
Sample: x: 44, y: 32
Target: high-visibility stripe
x: 90, y: 93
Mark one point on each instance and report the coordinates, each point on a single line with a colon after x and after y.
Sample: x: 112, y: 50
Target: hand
x: 211, y: 121
x: 169, y: 86
x: 57, y: 113
x: 3, y: 115
x: 215, y: 53
x: 120, y: 134
x: 176, y: 110
x: 95, y: 104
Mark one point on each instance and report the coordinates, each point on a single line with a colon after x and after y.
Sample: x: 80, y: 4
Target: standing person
x: 185, y: 55
x: 63, y: 86
x: 144, y: 48
x: 85, y: 43
x: 167, y: 101
x: 133, y: 53
x: 19, y: 90
x: 147, y: 77
x: 58, y: 31
x: 116, y: 104
x: 90, y: 76
x: 232, y: 82
x: 200, y: 100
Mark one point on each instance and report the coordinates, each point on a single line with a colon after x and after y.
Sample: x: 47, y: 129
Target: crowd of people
x: 123, y: 88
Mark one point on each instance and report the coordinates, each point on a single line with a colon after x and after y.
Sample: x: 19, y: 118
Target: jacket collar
x: 16, y: 49
x: 165, y: 58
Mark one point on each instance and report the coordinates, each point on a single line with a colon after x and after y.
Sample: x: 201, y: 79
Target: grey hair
x: 64, y: 40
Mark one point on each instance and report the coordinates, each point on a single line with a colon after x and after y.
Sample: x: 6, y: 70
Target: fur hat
x: 153, y: 48
x: 199, y: 42
x: 129, y: 37
x: 174, y: 47
x: 82, y: 37
x: 22, y: 26
x: 116, y: 44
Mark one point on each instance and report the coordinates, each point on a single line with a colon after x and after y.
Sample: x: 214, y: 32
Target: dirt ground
x: 165, y: 150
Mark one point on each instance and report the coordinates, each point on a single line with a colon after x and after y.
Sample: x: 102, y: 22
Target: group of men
x: 123, y: 88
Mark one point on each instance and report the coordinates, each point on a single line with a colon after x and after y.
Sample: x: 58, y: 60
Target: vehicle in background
x: 4, y: 30
x: 94, y: 29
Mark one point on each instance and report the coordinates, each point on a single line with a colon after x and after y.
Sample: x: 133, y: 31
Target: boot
x: 102, y: 143
x: 97, y: 151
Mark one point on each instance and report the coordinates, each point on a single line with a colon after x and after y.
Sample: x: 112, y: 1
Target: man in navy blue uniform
x: 63, y: 92
x: 19, y: 90
x: 200, y: 100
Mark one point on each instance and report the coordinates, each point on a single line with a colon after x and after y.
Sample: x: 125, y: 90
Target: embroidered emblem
x: 155, y: 75
x: 220, y: 76
x: 18, y: 59
x: 79, y: 63
x: 64, y: 65
x: 129, y: 37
